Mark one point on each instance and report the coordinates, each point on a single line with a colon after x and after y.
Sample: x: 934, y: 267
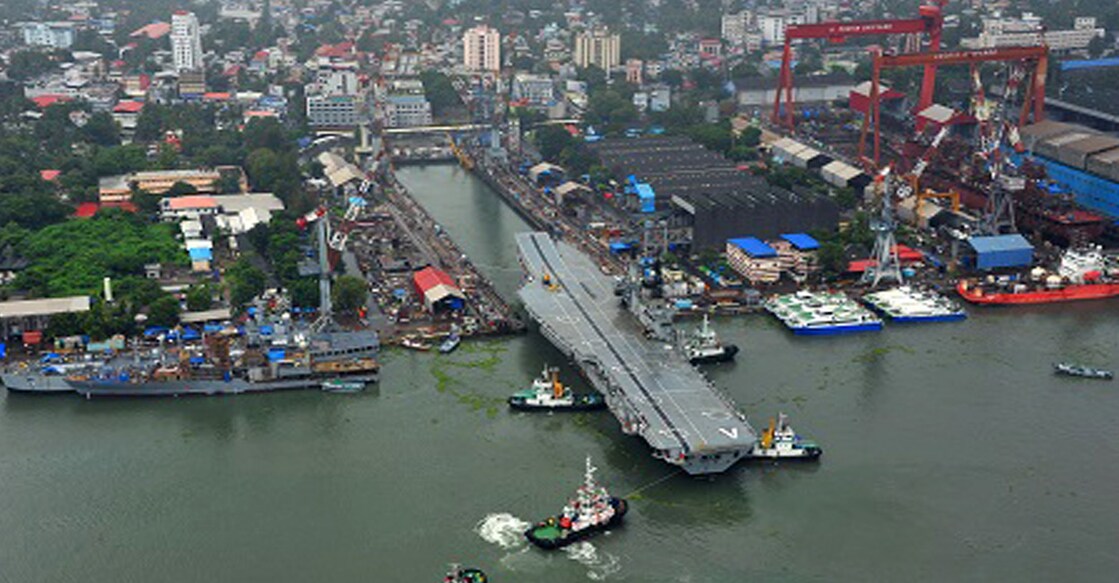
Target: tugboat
x: 459, y: 574
x: 549, y: 394
x: 779, y: 441
x: 704, y: 346
x: 1087, y: 372
x: 591, y: 511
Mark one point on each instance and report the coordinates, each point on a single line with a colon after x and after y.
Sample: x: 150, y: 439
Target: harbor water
x: 951, y: 453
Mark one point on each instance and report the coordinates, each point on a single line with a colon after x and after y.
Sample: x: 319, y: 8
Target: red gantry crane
x: 1033, y: 99
x: 930, y: 21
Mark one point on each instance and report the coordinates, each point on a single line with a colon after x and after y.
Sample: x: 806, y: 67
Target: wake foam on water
x: 503, y: 529
x: 507, y: 531
x: 599, y: 565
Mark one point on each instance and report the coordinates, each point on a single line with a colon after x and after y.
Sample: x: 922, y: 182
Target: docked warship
x: 265, y: 353
x: 629, y: 351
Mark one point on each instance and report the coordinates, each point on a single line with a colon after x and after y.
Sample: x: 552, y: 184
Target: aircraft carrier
x: 649, y: 385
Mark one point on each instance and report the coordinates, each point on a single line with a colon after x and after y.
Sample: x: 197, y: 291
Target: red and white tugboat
x: 590, y: 512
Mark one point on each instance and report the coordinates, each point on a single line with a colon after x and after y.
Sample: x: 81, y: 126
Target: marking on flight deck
x: 716, y: 415
x: 731, y: 433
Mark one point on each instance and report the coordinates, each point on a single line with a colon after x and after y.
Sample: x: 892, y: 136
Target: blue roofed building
x: 1000, y: 251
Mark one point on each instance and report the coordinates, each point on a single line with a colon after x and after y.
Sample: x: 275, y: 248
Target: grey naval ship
x: 232, y: 360
x: 628, y: 350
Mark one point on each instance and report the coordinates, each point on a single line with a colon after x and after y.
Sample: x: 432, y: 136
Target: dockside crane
x: 930, y: 21
x: 887, y: 266
x: 330, y: 246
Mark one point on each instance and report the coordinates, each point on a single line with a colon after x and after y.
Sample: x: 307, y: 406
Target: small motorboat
x: 1086, y: 372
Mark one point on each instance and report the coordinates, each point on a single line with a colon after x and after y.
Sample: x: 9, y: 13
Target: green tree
x: 199, y: 297
x: 833, y: 260
x: 246, y: 282
x: 164, y: 311
x: 102, y: 130
x: 349, y: 293
x: 180, y: 188
x: 23, y: 65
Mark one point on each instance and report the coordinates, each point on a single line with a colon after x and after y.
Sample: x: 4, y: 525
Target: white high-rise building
x: 186, y: 41
x: 598, y: 48
x: 481, y: 49
x: 735, y: 26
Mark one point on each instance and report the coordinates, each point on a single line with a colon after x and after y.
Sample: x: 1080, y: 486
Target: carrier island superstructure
x: 648, y: 383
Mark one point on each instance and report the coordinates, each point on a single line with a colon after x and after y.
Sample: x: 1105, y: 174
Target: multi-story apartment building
x: 186, y: 41
x: 598, y: 47
x: 481, y: 49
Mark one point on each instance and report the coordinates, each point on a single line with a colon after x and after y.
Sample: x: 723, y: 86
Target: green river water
x: 951, y: 453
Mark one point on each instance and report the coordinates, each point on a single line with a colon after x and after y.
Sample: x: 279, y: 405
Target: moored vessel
x: 822, y: 314
x: 1083, y: 274
x: 342, y: 386
x: 780, y: 442
x: 413, y: 343
x: 1078, y: 370
x: 704, y: 346
x: 909, y: 304
x: 590, y: 512
x: 549, y: 394
x: 450, y: 344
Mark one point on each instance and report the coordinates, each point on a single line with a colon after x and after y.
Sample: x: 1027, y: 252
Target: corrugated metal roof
x: 753, y: 247
x: 802, y: 241
x: 44, y: 307
x: 996, y: 243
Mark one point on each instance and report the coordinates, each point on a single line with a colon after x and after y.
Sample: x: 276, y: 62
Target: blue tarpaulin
x: 266, y: 330
x: 802, y: 241
x: 647, y: 197
x: 209, y: 328
x: 275, y: 354
x: 619, y: 247
x: 190, y: 334
x: 51, y: 357
x: 201, y: 254
x: 753, y: 247
x: 153, y: 331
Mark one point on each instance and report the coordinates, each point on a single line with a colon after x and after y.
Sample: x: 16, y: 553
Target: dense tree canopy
x: 71, y: 258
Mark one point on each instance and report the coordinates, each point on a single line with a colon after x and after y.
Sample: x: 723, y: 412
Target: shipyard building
x: 705, y: 198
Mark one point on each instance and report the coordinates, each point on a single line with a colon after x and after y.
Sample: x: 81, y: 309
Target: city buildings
x: 333, y: 111
x: 55, y: 35
x: 481, y: 49
x: 1029, y: 30
x: 599, y: 48
x: 532, y: 89
x: 186, y: 41
x: 735, y: 26
x: 405, y: 105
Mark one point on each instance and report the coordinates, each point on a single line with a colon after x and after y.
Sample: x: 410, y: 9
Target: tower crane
x: 330, y: 246
x: 930, y: 21
x: 886, y: 266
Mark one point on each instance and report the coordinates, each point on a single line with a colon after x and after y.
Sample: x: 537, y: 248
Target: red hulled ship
x: 1082, y: 275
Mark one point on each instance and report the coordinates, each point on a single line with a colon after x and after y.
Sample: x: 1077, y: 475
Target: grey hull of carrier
x: 649, y: 385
